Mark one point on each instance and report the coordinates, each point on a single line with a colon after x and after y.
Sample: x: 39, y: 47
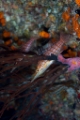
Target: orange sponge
x: 65, y: 16
x: 6, y: 34
x: 1, y: 14
x: 3, y: 21
x: 77, y: 2
x: 44, y: 34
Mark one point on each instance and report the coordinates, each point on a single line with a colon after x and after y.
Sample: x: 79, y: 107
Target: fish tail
x: 34, y: 76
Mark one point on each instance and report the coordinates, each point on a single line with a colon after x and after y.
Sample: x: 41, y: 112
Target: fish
x: 27, y: 45
x: 55, y: 49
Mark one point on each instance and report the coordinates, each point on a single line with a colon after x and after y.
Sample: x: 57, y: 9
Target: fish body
x: 43, y: 65
x: 74, y: 63
x: 41, y: 68
x: 27, y: 45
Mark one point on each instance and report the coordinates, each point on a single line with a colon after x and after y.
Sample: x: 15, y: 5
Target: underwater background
x: 39, y: 59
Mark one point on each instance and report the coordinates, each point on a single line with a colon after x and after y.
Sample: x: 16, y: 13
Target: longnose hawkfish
x: 43, y: 65
x: 27, y: 45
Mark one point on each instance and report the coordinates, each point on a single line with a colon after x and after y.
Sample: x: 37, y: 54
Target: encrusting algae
x: 74, y: 63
